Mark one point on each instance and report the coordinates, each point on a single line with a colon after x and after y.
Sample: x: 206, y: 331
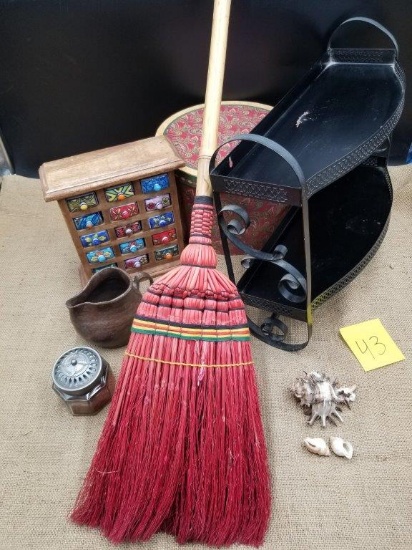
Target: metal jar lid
x: 77, y: 371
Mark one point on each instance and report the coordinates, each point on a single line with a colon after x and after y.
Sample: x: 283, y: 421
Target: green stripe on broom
x: 192, y: 332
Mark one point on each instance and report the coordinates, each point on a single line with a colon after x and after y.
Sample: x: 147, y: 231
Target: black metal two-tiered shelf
x: 322, y: 150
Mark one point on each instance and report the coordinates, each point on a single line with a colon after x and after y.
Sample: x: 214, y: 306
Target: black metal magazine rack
x: 323, y: 151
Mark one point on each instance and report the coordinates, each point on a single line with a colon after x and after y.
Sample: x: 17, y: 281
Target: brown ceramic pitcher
x: 103, y: 311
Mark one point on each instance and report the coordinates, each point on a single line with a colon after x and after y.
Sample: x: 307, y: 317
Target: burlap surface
x: 318, y: 502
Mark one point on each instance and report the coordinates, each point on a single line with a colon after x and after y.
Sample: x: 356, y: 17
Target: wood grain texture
x: 78, y: 174
x: 213, y: 96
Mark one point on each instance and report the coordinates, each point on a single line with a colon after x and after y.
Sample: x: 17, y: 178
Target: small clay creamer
x: 103, y: 311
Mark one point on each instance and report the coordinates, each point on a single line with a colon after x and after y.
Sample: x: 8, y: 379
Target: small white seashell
x: 341, y: 447
x: 317, y: 445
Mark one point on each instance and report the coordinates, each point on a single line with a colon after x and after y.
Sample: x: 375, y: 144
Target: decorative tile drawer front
x: 157, y: 203
x: 160, y: 221
x: 82, y: 202
x: 129, y: 229
x: 85, y: 222
x: 132, y: 246
x: 135, y: 263
x: 119, y: 193
x: 94, y: 239
x: 166, y: 253
x: 100, y: 255
x: 164, y: 237
x: 124, y: 212
x: 96, y: 269
x: 156, y: 183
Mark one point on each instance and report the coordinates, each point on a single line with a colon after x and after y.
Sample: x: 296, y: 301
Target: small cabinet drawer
x: 164, y: 237
x: 119, y: 193
x: 90, y: 220
x: 166, y: 253
x: 135, y: 263
x: 124, y: 212
x: 156, y: 183
x: 128, y: 229
x: 160, y: 221
x: 157, y: 203
x: 94, y: 239
x: 100, y: 255
x: 82, y: 202
x: 132, y: 246
x: 96, y: 269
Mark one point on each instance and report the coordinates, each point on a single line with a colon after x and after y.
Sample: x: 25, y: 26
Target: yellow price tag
x: 371, y: 344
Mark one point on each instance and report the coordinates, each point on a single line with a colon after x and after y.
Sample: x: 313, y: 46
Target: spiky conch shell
x: 321, y: 396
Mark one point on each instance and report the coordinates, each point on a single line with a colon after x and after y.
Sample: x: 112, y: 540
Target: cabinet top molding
x: 94, y: 170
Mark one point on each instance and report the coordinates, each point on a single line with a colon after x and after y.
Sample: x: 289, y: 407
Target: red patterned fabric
x: 185, y: 133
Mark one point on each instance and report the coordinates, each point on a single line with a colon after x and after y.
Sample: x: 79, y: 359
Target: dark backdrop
x: 79, y: 75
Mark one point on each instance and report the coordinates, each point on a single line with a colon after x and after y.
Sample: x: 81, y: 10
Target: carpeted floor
x: 319, y: 502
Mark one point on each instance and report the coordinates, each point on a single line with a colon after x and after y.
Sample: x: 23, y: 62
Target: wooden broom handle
x: 213, y: 97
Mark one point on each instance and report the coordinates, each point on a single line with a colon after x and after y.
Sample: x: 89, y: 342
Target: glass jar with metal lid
x: 84, y: 380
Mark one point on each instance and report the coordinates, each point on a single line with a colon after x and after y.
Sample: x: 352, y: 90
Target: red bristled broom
x: 182, y: 449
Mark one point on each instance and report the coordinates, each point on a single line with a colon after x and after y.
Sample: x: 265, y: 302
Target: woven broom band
x: 177, y: 305
x: 201, y: 221
x: 143, y: 325
x: 181, y: 364
x: 215, y: 301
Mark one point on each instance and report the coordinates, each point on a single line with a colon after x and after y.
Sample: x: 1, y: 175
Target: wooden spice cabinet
x: 120, y: 205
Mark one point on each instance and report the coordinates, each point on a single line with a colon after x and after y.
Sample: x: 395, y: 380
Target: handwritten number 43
x: 373, y: 346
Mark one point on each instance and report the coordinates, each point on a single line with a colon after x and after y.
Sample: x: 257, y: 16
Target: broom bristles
x: 183, y: 449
